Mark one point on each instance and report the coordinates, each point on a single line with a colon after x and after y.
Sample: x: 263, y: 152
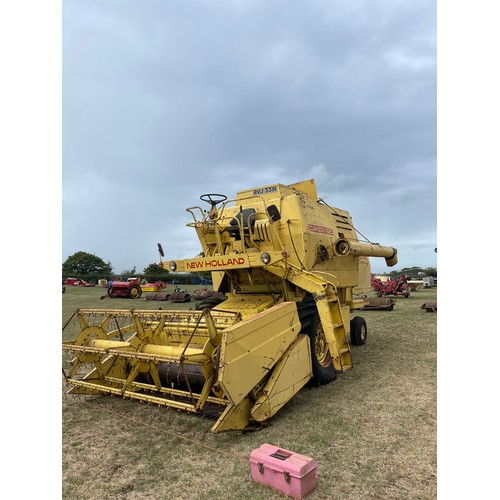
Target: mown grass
x: 372, y: 431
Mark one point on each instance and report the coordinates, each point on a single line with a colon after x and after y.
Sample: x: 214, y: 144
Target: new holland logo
x: 205, y: 264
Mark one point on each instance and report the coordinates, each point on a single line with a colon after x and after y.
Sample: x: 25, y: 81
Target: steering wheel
x: 213, y: 199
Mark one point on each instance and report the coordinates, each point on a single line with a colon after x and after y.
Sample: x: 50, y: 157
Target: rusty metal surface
x: 180, y: 296
x: 157, y: 296
x: 415, y: 285
x: 378, y: 303
x: 430, y: 306
x: 201, y: 293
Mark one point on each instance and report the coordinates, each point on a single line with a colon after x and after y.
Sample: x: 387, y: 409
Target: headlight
x: 172, y: 266
x: 265, y: 258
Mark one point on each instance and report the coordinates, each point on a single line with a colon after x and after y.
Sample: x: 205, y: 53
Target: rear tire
x: 359, y: 331
x: 135, y: 292
x: 321, y: 360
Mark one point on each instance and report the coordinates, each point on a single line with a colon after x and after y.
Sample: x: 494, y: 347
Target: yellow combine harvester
x: 292, y: 268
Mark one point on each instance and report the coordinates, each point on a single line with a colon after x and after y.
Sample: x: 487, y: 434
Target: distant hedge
x: 184, y: 279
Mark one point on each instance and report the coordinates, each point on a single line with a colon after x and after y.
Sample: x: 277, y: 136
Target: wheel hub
x: 321, y: 348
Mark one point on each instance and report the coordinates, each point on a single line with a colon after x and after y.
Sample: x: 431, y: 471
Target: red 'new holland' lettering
x: 216, y: 263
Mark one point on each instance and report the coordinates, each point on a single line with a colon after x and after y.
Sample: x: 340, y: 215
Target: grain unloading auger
x: 292, y: 268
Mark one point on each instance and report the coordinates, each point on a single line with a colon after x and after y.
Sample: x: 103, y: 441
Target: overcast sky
x: 164, y: 101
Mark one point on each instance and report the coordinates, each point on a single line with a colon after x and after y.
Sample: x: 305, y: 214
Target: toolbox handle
x: 281, y: 455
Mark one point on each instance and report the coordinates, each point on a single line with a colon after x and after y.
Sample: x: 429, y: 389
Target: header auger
x: 293, y: 271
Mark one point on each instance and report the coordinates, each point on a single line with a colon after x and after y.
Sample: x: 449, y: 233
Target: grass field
x: 372, y: 431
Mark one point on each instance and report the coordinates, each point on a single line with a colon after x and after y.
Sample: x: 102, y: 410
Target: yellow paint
x: 268, y: 249
x: 252, y: 347
x: 292, y: 372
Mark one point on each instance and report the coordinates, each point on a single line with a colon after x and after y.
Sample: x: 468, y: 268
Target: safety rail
x: 258, y: 228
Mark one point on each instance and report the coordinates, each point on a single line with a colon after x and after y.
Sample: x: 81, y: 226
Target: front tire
x: 359, y: 331
x: 321, y: 359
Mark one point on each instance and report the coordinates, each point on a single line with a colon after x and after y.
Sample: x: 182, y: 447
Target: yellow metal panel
x: 246, y: 305
x: 364, y: 280
x: 308, y: 187
x: 291, y: 373
x: 253, y: 346
x: 234, y: 418
x: 346, y: 318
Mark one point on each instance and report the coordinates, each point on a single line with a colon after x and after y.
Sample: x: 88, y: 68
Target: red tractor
x: 130, y: 289
x: 395, y: 287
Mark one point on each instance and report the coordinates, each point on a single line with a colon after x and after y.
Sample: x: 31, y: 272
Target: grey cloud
x: 163, y: 101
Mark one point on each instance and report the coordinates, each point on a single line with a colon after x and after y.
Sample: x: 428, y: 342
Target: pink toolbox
x: 283, y: 470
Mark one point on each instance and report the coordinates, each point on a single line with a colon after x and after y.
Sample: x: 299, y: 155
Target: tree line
x: 91, y: 268
x: 414, y: 273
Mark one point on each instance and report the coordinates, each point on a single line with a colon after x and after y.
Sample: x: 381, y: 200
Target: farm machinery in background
x: 77, y: 282
x: 204, y: 297
x: 291, y: 271
x: 397, y: 287
x: 133, y: 288
x: 200, y: 280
